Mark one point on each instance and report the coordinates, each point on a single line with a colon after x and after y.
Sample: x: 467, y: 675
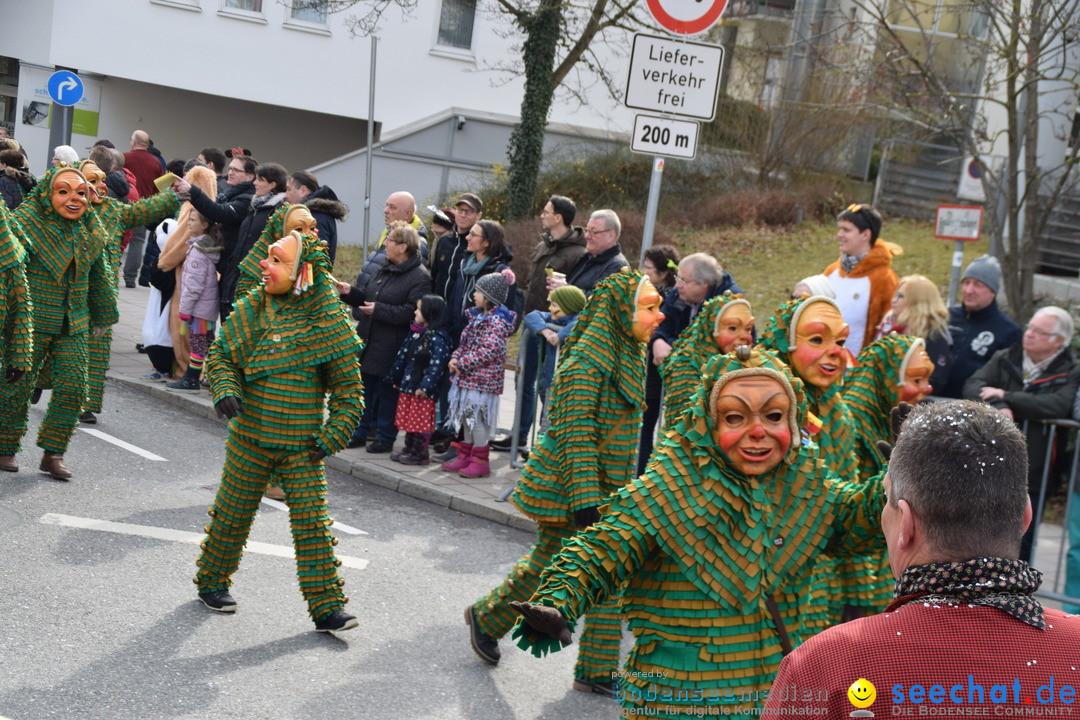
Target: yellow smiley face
x: 862, y: 693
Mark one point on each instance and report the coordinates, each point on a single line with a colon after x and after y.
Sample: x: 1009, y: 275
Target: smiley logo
x: 862, y: 694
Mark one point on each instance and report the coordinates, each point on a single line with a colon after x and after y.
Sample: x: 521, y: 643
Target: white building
x: 292, y: 85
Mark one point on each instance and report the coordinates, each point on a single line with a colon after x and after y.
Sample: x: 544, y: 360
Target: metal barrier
x: 1060, y: 568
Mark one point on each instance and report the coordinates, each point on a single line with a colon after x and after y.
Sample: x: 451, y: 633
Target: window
x: 250, y: 5
x: 312, y: 11
x: 456, y: 23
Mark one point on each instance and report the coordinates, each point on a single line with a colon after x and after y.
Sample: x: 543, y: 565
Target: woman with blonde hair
x: 918, y: 310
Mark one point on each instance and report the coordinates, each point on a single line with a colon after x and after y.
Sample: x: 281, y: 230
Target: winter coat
x: 14, y: 182
x: 461, y: 292
x: 449, y: 252
x: 394, y: 290
x: 539, y: 320
x: 589, y: 270
x: 251, y: 228
x: 328, y: 211
x: 420, y: 362
x: 199, y: 281
x: 230, y: 212
x: 481, y: 353
x: 376, y: 259
x: 976, y: 337
x: 677, y: 312
x: 559, y: 255
x: 119, y: 186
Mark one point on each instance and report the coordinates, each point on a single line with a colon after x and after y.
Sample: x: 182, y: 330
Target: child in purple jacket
x: 476, y: 369
x: 199, y: 295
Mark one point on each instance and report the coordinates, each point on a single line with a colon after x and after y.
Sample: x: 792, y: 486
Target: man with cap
x: 450, y: 249
x: 978, y: 327
x: 862, y: 277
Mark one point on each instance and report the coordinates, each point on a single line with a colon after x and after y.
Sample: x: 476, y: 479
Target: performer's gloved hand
x: 896, y: 419
x: 229, y: 407
x: 586, y: 516
x: 316, y: 454
x: 12, y: 375
x: 544, y: 620
x: 99, y: 331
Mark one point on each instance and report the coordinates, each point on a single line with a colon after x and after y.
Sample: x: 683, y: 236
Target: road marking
x: 338, y: 525
x: 126, y: 445
x: 179, y: 536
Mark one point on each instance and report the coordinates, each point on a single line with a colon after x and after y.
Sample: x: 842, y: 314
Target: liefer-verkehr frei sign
x: 674, y: 77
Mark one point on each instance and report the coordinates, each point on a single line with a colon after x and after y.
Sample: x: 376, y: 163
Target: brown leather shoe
x: 53, y: 464
x: 275, y: 493
x: 7, y: 463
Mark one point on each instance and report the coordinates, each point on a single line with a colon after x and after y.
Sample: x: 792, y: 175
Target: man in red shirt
x: 964, y: 635
x: 146, y: 168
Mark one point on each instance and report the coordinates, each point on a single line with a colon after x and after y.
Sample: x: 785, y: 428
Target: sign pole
x: 59, y: 128
x: 650, y: 208
x: 962, y: 223
x: 957, y: 263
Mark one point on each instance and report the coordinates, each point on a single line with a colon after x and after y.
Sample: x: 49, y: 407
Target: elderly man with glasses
x: 1035, y: 379
x: 603, y: 254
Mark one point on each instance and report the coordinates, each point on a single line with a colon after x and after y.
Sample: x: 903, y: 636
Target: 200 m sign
x: 664, y: 136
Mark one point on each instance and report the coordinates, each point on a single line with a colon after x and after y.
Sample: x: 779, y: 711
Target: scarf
x: 1034, y: 370
x: 992, y: 582
x: 471, y: 265
x: 257, y: 201
x: 848, y: 262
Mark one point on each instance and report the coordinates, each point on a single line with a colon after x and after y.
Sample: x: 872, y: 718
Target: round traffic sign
x: 686, y: 17
x: 65, y: 87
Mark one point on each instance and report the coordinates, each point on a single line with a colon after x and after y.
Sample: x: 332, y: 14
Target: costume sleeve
x: 222, y: 373
x: 491, y: 348
x: 591, y: 568
x: 440, y: 355
x: 1054, y: 403
x: 18, y: 337
x: 147, y: 211
x: 101, y: 298
x: 573, y: 427
x: 856, y: 527
x: 345, y: 404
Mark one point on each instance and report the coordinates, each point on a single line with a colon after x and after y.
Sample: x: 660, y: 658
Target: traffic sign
x: 664, y: 136
x: 686, y: 17
x: 674, y: 77
x: 65, y: 88
x: 958, y: 222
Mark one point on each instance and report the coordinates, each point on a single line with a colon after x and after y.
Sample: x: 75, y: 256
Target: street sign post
x: 962, y: 223
x: 686, y: 17
x: 674, y: 77
x: 664, y: 136
x: 65, y: 88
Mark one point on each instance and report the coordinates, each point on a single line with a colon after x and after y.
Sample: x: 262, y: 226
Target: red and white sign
x: 686, y: 17
x: 958, y: 222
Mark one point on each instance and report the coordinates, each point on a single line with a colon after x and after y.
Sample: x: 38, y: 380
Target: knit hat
x: 986, y: 270
x: 818, y: 285
x: 494, y: 286
x: 569, y: 298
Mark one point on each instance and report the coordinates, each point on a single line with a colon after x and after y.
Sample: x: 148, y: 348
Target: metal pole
x: 59, y: 129
x: 957, y: 263
x: 650, y: 210
x: 370, y: 142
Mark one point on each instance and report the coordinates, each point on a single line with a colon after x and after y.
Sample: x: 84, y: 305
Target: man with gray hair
x: 700, y: 277
x: 1035, y: 379
x: 603, y: 254
x: 964, y: 619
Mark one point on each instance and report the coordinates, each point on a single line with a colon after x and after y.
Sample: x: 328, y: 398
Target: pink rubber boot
x: 464, y: 452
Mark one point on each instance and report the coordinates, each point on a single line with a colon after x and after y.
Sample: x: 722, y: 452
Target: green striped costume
x: 852, y: 581
x: 698, y: 548
x: 72, y: 289
x: 587, y: 453
x: 281, y: 355
x: 681, y: 369
x: 249, y: 274
x: 115, y: 217
x: 16, y: 311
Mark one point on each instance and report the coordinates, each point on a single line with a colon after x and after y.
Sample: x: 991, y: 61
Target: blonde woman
x: 918, y: 310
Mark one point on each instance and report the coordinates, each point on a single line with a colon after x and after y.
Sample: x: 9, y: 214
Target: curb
x: 501, y: 513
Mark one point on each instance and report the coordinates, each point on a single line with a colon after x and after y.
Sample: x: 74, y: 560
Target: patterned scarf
x: 848, y: 262
x: 993, y: 582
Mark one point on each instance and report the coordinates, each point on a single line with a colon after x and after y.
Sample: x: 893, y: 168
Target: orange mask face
x: 69, y: 195
x: 298, y: 217
x: 647, y: 315
x: 279, y: 265
x: 96, y: 177
x: 753, y: 428
x: 917, y: 378
x: 819, y: 356
x: 734, y: 326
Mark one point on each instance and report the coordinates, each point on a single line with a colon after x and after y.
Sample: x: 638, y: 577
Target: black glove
x: 316, y: 454
x: 543, y: 620
x: 586, y: 516
x: 12, y: 375
x: 897, y: 416
x: 228, y: 407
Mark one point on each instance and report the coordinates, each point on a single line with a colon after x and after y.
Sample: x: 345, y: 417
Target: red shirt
x: 146, y: 168
x: 933, y: 659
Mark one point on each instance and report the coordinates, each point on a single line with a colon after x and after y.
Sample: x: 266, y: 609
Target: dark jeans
x: 653, y: 397
x: 380, y: 405
x: 530, y: 365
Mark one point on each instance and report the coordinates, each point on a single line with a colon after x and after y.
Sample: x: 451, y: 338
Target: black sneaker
x: 603, y: 686
x: 219, y: 600
x: 336, y: 622
x: 88, y: 417
x: 356, y: 442
x: 379, y: 446
x: 483, y: 645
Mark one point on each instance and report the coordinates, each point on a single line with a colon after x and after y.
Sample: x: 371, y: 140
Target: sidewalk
x: 470, y: 496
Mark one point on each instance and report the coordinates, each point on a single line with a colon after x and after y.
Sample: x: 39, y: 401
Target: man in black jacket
x: 603, y: 254
x: 1035, y: 379
x: 328, y: 211
x: 450, y: 249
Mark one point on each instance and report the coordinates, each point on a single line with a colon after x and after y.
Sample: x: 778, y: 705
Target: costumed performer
x: 713, y: 547
x: 596, y: 401
x: 286, y: 219
x: 282, y: 351
x: 16, y: 310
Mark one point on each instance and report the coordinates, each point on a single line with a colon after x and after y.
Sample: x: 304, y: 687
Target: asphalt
x: 478, y: 496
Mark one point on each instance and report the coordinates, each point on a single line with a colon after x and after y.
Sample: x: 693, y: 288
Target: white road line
x: 338, y: 525
x: 126, y: 445
x: 179, y: 536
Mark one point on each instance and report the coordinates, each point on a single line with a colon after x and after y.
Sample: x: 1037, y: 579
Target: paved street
x: 101, y: 620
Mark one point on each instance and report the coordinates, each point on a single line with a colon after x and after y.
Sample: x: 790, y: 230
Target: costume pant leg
x: 1072, y: 559
x: 304, y: 483
x: 100, y: 351
x: 247, y: 470
x: 599, y: 641
x: 493, y: 613
x: 70, y: 358
x: 15, y: 398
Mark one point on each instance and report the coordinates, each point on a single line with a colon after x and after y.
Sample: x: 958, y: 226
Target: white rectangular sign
x: 958, y: 222
x: 674, y: 77
x: 664, y: 136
